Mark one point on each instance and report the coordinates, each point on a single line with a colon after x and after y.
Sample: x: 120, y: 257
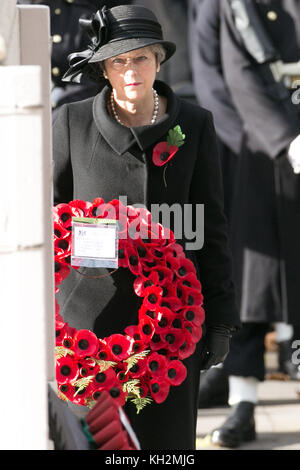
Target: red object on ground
x: 110, y: 427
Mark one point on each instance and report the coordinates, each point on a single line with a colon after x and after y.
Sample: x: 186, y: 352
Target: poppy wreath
x: 143, y: 363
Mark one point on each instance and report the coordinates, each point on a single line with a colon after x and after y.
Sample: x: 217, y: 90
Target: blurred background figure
x: 239, y: 50
x: 67, y: 38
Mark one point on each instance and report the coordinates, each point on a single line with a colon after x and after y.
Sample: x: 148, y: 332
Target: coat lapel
x: 120, y: 138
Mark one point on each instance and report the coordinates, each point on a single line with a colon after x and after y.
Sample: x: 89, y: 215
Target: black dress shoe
x: 214, y: 388
x: 239, y: 427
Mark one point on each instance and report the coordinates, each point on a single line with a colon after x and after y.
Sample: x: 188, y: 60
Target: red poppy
x: 63, y: 214
x: 168, y: 289
x: 86, y: 343
x: 67, y: 340
x: 164, y: 320
x: 176, y: 251
x: 172, y: 303
x: 144, y: 313
x: 153, y: 296
x: 133, y: 332
x: 122, y: 377
x: 159, y: 389
x: 144, y: 389
x: 104, y: 353
x: 110, y: 210
x: 191, y: 281
x: 157, y: 342
x: 157, y: 233
x: 194, y: 314
x: 143, y: 250
x: 120, y: 346
x: 176, y: 372
x: 84, y: 371
x: 157, y: 365
x: 138, y: 369
x: 174, y: 338
x: 162, y: 153
x: 59, y: 321
x: 194, y: 331
x: 96, y: 393
x: 117, y: 394
x: 96, y: 206
x: 186, y: 349
x: 137, y: 346
x: 66, y: 369
x: 165, y: 275
x: 60, y: 332
x: 167, y: 235
x: 192, y: 297
x: 186, y: 266
x: 62, y: 247
x: 134, y: 263
x: 104, y: 379
x: 146, y: 329
x: 67, y: 390
x: 82, y: 207
x: 89, y: 362
x: 61, y: 272
x: 59, y: 231
x: 141, y: 284
x: 82, y: 394
x: 171, y: 262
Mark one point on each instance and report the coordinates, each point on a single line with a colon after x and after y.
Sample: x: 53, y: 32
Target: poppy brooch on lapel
x: 163, y: 152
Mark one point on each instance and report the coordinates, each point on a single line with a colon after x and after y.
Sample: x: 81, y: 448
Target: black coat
x: 255, y: 123
x: 95, y: 156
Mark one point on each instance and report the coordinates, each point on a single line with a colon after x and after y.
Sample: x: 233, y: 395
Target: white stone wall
x: 26, y: 263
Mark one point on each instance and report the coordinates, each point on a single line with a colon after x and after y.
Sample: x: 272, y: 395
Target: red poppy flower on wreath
x: 66, y: 369
x: 159, y: 389
x: 85, y: 343
x: 120, y: 346
x: 176, y: 372
x: 104, y: 379
x: 142, y: 363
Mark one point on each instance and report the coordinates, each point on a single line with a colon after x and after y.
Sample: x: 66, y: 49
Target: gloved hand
x: 216, y: 345
x: 293, y: 154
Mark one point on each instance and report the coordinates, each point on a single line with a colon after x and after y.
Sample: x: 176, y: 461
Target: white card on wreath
x: 94, y: 242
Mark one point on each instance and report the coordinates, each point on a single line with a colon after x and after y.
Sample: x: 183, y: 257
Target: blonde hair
x: 159, y: 52
x: 157, y: 49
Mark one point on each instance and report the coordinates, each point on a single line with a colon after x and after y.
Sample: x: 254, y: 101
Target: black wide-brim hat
x: 116, y: 31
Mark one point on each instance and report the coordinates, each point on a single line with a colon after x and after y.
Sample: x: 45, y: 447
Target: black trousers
x: 246, y: 355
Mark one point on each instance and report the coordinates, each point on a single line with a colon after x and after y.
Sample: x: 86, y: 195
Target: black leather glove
x: 215, y: 345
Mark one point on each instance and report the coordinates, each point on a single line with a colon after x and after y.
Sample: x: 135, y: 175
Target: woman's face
x: 132, y: 74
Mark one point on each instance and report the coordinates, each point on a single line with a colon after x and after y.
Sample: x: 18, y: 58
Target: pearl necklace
x: 155, y: 112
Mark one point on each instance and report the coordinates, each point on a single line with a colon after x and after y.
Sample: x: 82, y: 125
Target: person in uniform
x: 103, y: 147
x: 245, y: 58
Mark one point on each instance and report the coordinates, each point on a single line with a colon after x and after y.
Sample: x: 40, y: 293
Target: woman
x: 104, y: 147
